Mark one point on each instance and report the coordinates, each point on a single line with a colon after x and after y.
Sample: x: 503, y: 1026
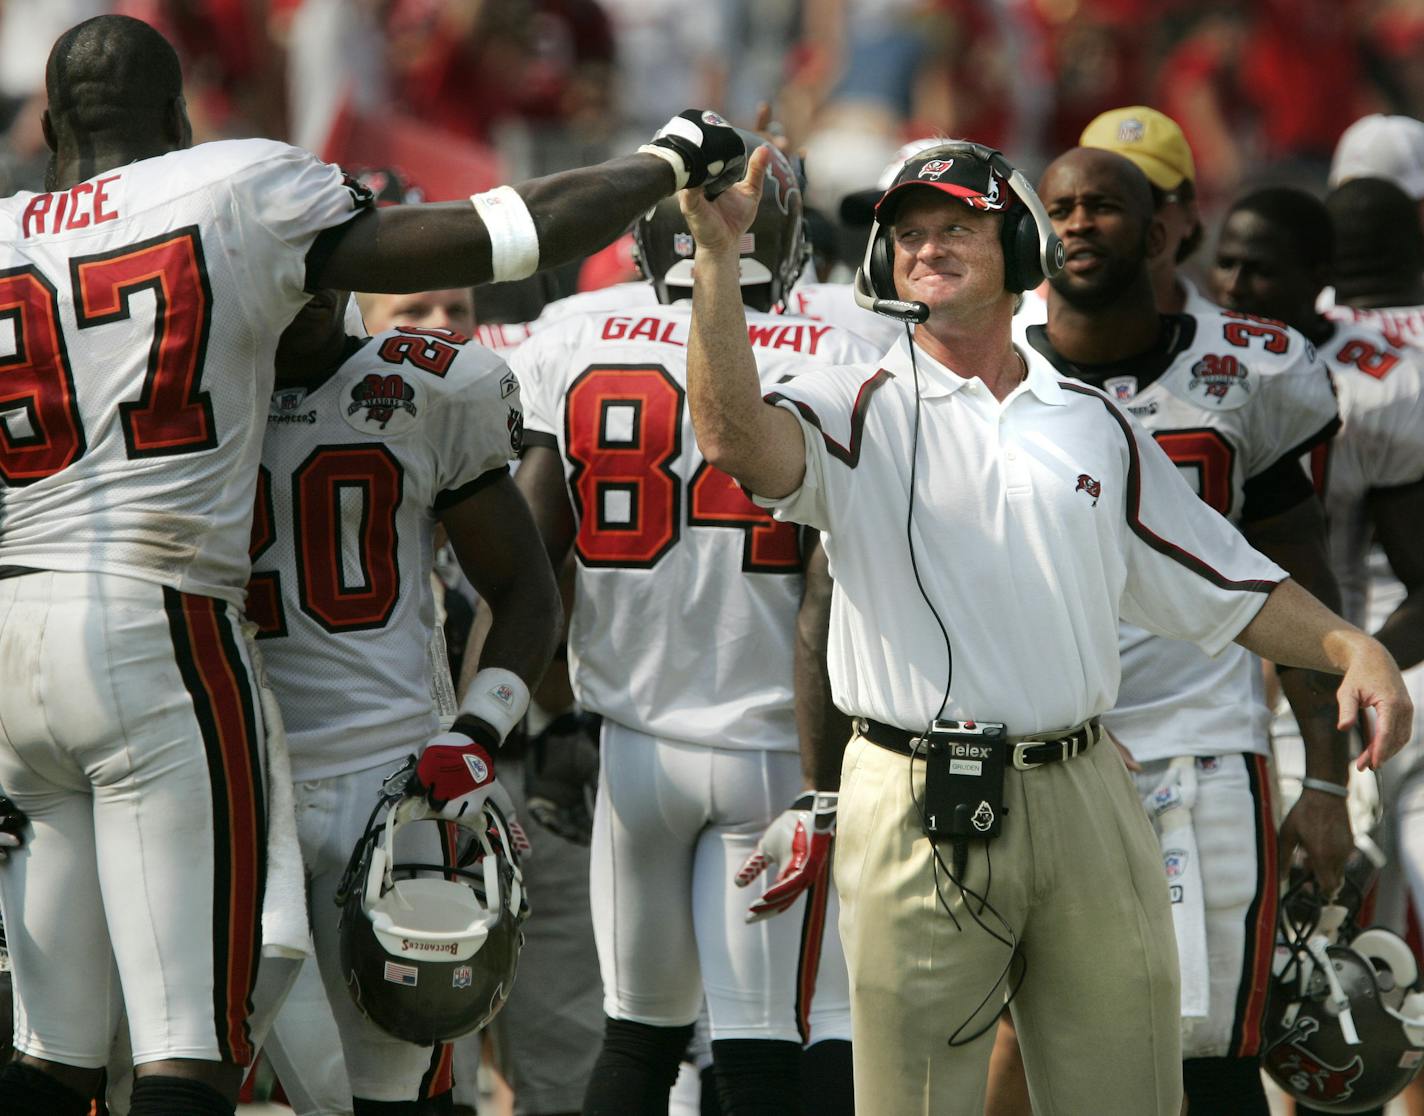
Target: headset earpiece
x: 1019, y: 235
x: 882, y: 264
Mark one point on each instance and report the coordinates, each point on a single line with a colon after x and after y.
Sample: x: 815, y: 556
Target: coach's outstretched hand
x: 800, y: 841
x: 718, y: 224
x: 1372, y: 682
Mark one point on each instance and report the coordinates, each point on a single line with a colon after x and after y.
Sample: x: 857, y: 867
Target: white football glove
x: 800, y: 841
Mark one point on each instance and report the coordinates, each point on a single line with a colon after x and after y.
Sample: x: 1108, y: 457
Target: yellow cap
x: 1148, y: 138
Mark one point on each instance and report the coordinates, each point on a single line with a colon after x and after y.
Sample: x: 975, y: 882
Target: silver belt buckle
x: 1069, y: 745
x: 1022, y: 764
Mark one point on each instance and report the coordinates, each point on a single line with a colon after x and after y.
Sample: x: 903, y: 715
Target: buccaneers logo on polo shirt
x: 1092, y: 487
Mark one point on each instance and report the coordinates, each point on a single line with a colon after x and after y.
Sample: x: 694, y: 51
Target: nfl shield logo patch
x: 462, y: 977
x: 1121, y: 388
x: 682, y: 244
x: 1131, y: 130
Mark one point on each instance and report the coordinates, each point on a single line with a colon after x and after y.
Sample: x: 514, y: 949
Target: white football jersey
x: 835, y: 303
x: 353, y: 472
x: 617, y: 297
x: 687, y: 593
x: 1380, y: 445
x: 1238, y: 394
x: 503, y: 337
x: 1402, y: 325
x: 142, y: 309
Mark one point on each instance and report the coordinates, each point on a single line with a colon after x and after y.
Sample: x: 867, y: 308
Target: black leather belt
x: 1028, y: 751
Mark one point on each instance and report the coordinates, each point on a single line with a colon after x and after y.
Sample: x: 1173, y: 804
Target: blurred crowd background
x: 463, y: 93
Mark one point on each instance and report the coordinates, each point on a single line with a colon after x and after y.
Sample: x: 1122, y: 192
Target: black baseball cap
x: 957, y: 174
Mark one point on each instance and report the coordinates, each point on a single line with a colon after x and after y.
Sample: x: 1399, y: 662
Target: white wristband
x: 672, y: 158
x: 1326, y: 786
x: 514, y: 241
x: 498, y: 697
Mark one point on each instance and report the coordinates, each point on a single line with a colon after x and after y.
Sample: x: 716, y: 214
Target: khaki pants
x: 1078, y: 876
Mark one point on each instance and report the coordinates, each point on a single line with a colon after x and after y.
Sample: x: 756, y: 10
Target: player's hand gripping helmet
x: 429, y: 951
x: 773, y: 251
x: 1344, y: 1028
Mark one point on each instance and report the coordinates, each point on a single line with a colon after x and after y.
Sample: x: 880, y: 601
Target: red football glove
x: 800, y: 841
x: 456, y: 775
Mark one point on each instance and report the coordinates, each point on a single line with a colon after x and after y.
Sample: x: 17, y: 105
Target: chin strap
x: 1317, y: 946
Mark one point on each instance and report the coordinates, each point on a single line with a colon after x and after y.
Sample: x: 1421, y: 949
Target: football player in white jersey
x: 370, y: 442
x: 1273, y: 258
x: 683, y: 638
x: 1235, y: 401
x: 144, y: 291
x: 1378, y: 268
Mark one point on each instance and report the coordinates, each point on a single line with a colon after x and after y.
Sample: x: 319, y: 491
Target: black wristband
x: 477, y: 730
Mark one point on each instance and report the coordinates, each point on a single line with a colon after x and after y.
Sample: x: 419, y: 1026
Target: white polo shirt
x: 1038, y: 522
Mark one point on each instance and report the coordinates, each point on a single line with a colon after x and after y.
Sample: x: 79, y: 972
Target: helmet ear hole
x: 1387, y: 950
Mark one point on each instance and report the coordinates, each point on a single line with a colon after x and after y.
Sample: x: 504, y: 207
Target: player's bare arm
x: 403, y: 248
x: 755, y: 442
x: 499, y: 549
x: 512, y: 232
x: 541, y: 481
x: 1295, y: 629
x: 822, y: 728
x: 1318, y: 823
x: 1397, y: 513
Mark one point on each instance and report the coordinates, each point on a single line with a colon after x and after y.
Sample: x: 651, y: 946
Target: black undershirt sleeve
x: 452, y: 496
x: 1279, y: 488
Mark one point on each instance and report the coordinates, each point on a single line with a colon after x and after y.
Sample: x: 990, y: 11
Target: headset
x: 1032, y: 250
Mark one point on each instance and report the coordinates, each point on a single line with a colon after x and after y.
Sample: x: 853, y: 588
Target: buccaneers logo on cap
x: 933, y: 168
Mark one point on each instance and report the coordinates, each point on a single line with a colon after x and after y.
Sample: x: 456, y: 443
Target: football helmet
x: 1344, y: 1027
x: 429, y: 951
x: 773, y: 250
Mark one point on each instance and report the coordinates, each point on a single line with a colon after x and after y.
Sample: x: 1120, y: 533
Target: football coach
x: 988, y: 523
